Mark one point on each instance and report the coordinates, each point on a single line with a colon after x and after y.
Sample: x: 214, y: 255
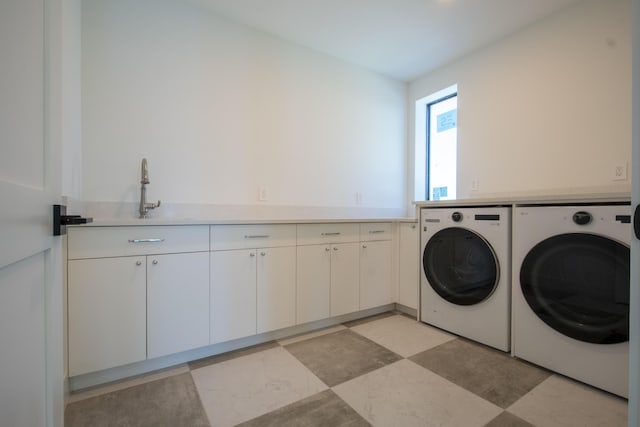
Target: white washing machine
x: 465, y: 285
x: 571, y: 291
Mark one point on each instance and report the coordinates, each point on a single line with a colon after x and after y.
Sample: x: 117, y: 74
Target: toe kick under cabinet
x: 136, y: 293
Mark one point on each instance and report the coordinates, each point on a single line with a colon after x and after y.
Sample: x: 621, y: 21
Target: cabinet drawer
x: 375, y: 231
x: 310, y: 234
x: 225, y: 237
x: 99, y: 242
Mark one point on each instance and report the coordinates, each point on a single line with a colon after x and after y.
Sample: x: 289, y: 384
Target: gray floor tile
x: 169, y: 402
x: 341, y: 356
x: 231, y: 355
x: 491, y: 374
x: 320, y: 410
x: 507, y: 419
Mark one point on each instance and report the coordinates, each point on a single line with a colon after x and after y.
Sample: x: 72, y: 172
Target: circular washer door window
x: 578, y: 284
x: 460, y: 266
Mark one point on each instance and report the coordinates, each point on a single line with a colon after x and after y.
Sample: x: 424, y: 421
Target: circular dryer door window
x: 578, y: 284
x: 460, y: 266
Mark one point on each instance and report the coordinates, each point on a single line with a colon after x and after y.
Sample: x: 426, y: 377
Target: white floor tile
x: 240, y: 389
x: 405, y: 394
x: 402, y: 335
x: 559, y: 401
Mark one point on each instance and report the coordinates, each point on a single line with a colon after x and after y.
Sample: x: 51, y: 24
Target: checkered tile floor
x: 388, y: 370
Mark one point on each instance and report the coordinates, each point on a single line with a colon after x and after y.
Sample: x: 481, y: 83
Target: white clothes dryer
x: 465, y: 283
x: 571, y: 291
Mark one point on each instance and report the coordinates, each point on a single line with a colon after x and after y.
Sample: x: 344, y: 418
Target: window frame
x: 428, y: 141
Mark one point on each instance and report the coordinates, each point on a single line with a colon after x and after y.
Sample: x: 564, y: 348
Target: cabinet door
x: 177, y: 303
x: 276, y: 288
x: 345, y: 284
x: 233, y: 294
x: 313, y: 283
x: 107, y: 313
x: 375, y: 274
x: 409, y: 265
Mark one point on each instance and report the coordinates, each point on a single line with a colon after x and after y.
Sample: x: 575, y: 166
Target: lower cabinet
x: 345, y: 283
x: 327, y: 281
x: 313, y: 282
x: 276, y: 288
x: 375, y: 274
x: 177, y: 303
x: 137, y: 293
x: 253, y: 279
x: 252, y: 291
x: 127, y: 309
x: 409, y: 265
x: 233, y: 294
x: 327, y: 271
x: 107, y: 301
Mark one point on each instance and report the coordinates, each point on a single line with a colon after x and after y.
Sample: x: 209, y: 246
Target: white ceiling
x: 402, y: 39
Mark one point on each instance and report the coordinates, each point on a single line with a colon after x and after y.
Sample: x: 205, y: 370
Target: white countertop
x: 119, y: 222
x: 530, y: 199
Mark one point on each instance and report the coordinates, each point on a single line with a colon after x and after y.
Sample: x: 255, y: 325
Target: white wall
x: 545, y: 110
x: 71, y: 98
x: 220, y: 110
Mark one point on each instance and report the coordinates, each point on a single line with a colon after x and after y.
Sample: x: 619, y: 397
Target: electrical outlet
x: 475, y: 183
x: 263, y: 194
x: 620, y: 171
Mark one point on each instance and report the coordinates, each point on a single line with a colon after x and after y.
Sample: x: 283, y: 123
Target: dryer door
x: 578, y: 284
x: 460, y: 266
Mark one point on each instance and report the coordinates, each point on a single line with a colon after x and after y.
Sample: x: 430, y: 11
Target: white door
x: 634, y: 333
x: 31, y: 362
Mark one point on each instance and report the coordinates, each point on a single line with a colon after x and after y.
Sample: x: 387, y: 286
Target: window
x: 442, y: 137
x: 436, y: 141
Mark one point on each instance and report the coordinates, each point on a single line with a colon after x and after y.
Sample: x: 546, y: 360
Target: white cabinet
x: 107, y: 313
x: 376, y: 286
x: 276, y: 288
x: 345, y: 284
x: 327, y: 271
x: 313, y: 282
x: 409, y: 265
x: 233, y: 294
x: 177, y: 303
x: 253, y: 276
x: 152, y: 302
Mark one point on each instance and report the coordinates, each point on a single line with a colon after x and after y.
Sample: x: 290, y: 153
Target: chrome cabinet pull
x: 327, y: 249
x: 252, y: 254
x: 335, y: 249
x: 336, y: 233
x: 145, y: 240
x: 364, y: 246
x: 376, y: 231
x: 263, y: 253
x: 257, y: 236
x: 155, y: 261
x: 138, y: 262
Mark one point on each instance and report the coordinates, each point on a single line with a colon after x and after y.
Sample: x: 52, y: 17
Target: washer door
x: 460, y: 266
x: 578, y: 284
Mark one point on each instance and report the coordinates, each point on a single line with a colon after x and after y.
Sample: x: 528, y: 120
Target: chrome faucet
x: 144, y: 206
